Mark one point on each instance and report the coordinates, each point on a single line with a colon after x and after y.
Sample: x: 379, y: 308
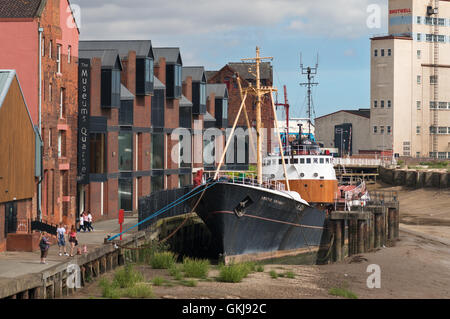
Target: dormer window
x: 144, y: 76
x: 110, y: 88
x: 173, y: 81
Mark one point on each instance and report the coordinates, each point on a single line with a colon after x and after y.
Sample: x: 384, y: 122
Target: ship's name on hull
x: 273, y: 202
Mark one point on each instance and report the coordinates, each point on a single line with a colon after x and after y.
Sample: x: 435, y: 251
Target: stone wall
x: 415, y: 179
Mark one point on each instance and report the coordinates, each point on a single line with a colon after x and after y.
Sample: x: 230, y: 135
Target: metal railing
x: 247, y: 179
x: 362, y: 161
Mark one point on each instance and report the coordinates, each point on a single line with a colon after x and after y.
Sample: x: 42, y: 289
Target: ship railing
x: 247, y: 179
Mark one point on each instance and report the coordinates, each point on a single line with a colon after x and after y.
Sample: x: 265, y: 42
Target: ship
x: 253, y: 217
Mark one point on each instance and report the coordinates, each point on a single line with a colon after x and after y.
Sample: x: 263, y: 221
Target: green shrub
x: 273, y: 274
x: 196, y: 268
x: 140, y: 290
x: 109, y: 290
x: 341, y: 292
x: 189, y: 283
x: 175, y: 272
x: 163, y: 260
x: 158, y: 281
x: 289, y: 275
x: 260, y: 268
x: 234, y: 272
x: 127, y: 277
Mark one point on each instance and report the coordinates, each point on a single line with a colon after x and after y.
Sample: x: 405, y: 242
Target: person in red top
x: 198, y: 180
x: 72, y: 240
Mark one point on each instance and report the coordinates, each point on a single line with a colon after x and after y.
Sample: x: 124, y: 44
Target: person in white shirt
x: 61, y: 232
x: 89, y: 222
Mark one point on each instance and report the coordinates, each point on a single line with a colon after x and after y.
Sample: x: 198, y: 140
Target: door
x: 10, y: 218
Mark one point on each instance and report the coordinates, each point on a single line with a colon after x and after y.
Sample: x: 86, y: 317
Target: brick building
x: 120, y: 130
x: 40, y: 41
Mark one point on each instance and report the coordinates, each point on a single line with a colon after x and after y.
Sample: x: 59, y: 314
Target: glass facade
x: 158, y: 151
x: 157, y: 183
x: 125, y: 151
x: 126, y: 194
x: 97, y: 153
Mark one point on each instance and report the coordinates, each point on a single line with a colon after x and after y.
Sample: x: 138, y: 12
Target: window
x: 442, y: 130
x: 418, y: 104
x: 375, y: 129
x: 382, y: 104
x: 419, y: 54
x: 157, y: 183
x: 419, y: 20
x: 429, y: 38
x: 441, y: 38
x: 69, y: 54
x: 308, y: 161
x: 418, y: 154
x: 382, y: 52
x: 59, y: 144
x: 126, y: 194
x: 302, y: 161
x: 381, y: 129
x: 418, y: 130
x: 202, y: 93
x: 58, y: 57
x: 433, y: 79
x: 433, y: 130
x: 389, y: 130
x: 97, y: 153
x: 419, y: 79
x: 125, y: 151
x: 389, y: 104
x: 375, y: 104
x: 389, y: 52
x: 61, y: 103
x: 442, y: 105
x: 442, y: 155
x: 441, y: 21
x: 432, y: 105
x: 50, y: 44
x: 50, y: 87
x: 49, y: 137
x: 225, y: 109
x: 419, y: 37
x: 43, y: 46
x: 184, y: 180
x: 158, y: 151
x: 375, y: 53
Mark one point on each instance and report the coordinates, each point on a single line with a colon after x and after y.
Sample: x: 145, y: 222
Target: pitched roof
x: 109, y: 57
x: 360, y: 112
x: 21, y: 8
x: 143, y: 48
x: 220, y: 90
x: 158, y: 85
x: 210, y: 74
x: 125, y: 94
x: 172, y: 55
x: 208, y: 117
x: 185, y: 102
x: 196, y: 72
x: 243, y: 69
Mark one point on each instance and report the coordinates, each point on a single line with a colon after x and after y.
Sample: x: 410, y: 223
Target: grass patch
x: 273, y: 274
x: 140, y: 290
x: 127, y: 277
x: 196, y: 268
x: 158, y: 281
x: 235, y: 272
x: 163, y: 260
x: 260, y: 268
x: 341, y: 292
x: 290, y: 275
x: 176, y: 272
x: 189, y: 283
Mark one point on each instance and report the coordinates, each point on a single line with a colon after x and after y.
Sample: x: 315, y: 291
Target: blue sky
x: 212, y: 33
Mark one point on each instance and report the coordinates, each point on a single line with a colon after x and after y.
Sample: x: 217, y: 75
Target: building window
x: 97, y: 153
x: 418, y: 104
x: 382, y: 104
x: 58, y: 57
x: 125, y: 151
x: 375, y: 130
x: 382, y: 52
x: 442, y: 130
x: 419, y: 79
x: 126, y: 194
x: 61, y: 103
x: 381, y: 129
x: 442, y: 155
x: 419, y: 20
x: 433, y: 79
x: 59, y: 144
x: 49, y: 137
x: 69, y: 53
x: 432, y: 105
x: 418, y: 154
x: 43, y: 46
x: 419, y: 37
x: 375, y: 53
x: 158, y: 151
x: 50, y: 93
x: 418, y: 130
x: 157, y: 183
x: 419, y: 54
x: 389, y: 52
x: 389, y: 104
x: 389, y: 130
x: 433, y: 130
x: 442, y: 105
x: 50, y: 44
x: 375, y: 104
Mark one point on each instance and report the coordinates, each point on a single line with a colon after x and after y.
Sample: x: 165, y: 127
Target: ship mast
x: 310, y: 72
x: 259, y: 92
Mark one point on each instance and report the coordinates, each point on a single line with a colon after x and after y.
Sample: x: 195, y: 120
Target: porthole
x: 316, y: 174
x: 302, y: 174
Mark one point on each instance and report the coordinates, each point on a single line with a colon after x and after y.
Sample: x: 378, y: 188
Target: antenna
x: 310, y: 72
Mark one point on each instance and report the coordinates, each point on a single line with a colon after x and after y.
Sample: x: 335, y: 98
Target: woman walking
x: 73, y: 240
x: 82, y: 226
x: 89, y: 221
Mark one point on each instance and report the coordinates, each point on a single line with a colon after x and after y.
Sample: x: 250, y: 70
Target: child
x: 44, y: 245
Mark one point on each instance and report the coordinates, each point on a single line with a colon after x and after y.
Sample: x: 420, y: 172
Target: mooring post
x: 377, y: 231
x: 371, y: 230
x: 391, y: 223
x: 338, y: 240
x: 360, y: 236
x: 397, y: 221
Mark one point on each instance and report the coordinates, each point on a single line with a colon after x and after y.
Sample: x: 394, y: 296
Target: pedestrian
x: 89, y: 222
x: 86, y: 221
x: 61, y: 233
x: 73, y: 240
x: 82, y: 226
x: 44, y: 245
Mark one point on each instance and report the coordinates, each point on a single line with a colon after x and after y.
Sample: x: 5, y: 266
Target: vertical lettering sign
x: 84, y: 70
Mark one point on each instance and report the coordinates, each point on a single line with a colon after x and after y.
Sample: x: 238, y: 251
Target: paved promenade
x: 15, y: 264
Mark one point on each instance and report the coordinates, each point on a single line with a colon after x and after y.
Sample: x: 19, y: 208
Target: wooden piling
x: 338, y: 240
x: 360, y: 236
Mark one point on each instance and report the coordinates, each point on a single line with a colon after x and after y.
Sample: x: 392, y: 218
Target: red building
x: 40, y: 40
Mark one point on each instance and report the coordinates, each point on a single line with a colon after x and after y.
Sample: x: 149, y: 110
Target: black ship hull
x: 249, y: 220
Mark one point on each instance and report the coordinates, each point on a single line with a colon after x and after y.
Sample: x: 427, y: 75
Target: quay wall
x: 414, y: 178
